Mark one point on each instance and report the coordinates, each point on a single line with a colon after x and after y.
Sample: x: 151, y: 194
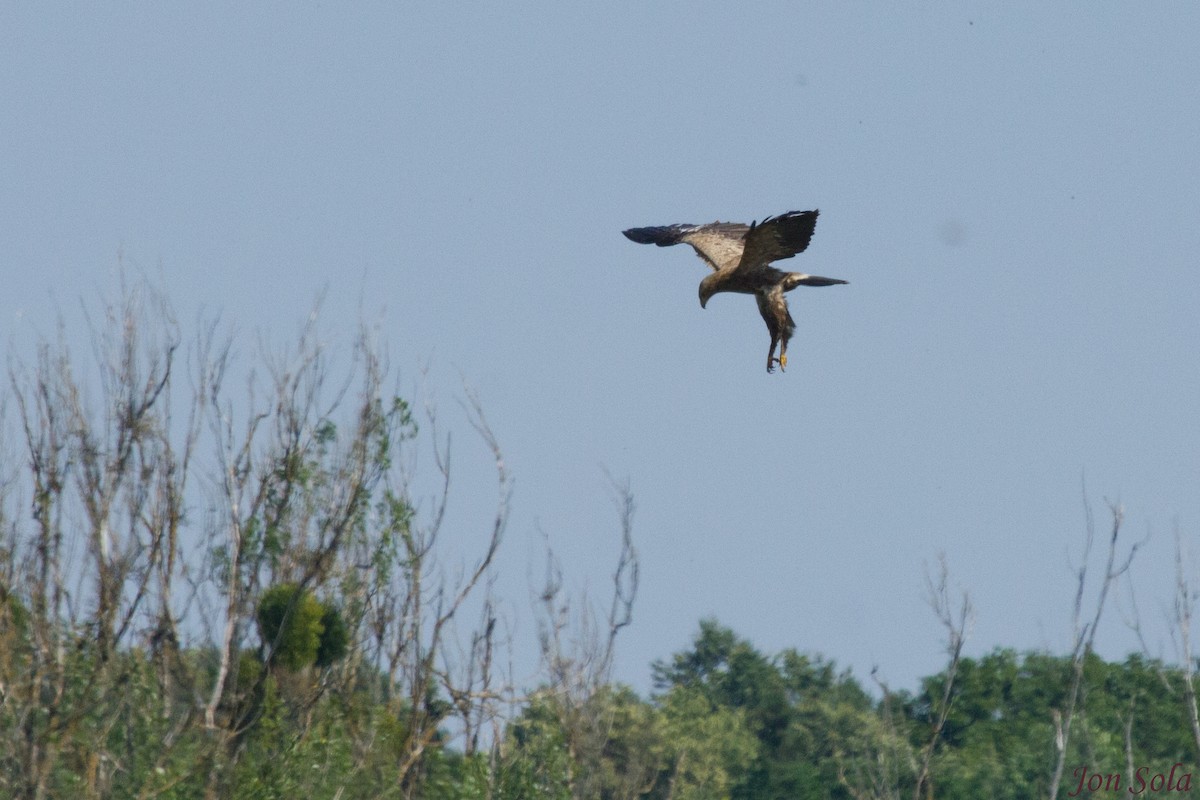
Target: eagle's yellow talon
x: 782, y: 362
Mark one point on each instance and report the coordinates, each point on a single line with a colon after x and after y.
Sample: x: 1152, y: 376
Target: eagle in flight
x: 740, y: 256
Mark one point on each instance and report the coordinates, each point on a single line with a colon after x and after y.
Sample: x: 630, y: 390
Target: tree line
x: 217, y: 580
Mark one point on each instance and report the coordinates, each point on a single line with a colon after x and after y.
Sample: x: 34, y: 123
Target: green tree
x: 534, y: 761
x: 803, y: 715
x: 707, y: 746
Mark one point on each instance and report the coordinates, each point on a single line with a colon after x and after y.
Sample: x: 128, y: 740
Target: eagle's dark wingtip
x: 788, y: 216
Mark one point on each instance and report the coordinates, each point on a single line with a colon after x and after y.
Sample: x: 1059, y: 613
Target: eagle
x: 740, y: 256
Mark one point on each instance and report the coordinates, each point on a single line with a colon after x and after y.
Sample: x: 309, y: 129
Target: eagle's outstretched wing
x: 777, y: 238
x: 718, y: 243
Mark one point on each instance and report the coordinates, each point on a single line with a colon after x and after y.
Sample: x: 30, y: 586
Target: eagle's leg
x: 783, y: 342
x: 771, y: 360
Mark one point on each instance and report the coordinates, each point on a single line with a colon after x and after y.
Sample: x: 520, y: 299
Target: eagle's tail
x: 795, y: 279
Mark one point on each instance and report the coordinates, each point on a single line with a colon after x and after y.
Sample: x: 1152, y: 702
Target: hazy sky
x: 1010, y: 189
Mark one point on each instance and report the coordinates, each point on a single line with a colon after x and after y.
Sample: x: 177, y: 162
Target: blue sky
x: 1011, y: 191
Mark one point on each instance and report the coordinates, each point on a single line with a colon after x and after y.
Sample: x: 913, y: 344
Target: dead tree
x: 390, y: 569
x: 157, y: 497
x: 1084, y: 633
x: 957, y: 625
x: 1184, y: 605
x: 95, y: 560
x: 578, y: 651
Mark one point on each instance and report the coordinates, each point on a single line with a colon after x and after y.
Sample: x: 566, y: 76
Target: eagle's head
x: 708, y: 287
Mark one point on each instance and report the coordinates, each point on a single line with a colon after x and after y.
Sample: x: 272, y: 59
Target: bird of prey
x: 740, y: 256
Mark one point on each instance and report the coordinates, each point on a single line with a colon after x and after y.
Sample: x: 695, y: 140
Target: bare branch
x: 1085, y: 633
x: 957, y: 626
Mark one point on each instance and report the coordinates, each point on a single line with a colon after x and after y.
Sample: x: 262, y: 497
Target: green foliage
x: 535, y: 761
x: 802, y: 715
x: 289, y: 620
x: 298, y: 630
x: 1000, y: 734
x: 707, y: 746
x: 709, y: 733
x: 14, y: 616
x: 335, y: 637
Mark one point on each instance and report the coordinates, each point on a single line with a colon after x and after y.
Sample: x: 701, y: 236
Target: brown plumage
x: 741, y: 256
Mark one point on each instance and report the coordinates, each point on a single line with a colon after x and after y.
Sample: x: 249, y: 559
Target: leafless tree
x: 577, y: 651
x: 1180, y: 680
x: 884, y: 771
x: 1183, y: 607
x: 957, y: 625
x: 164, y: 499
x: 1084, y: 632
x: 104, y: 479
